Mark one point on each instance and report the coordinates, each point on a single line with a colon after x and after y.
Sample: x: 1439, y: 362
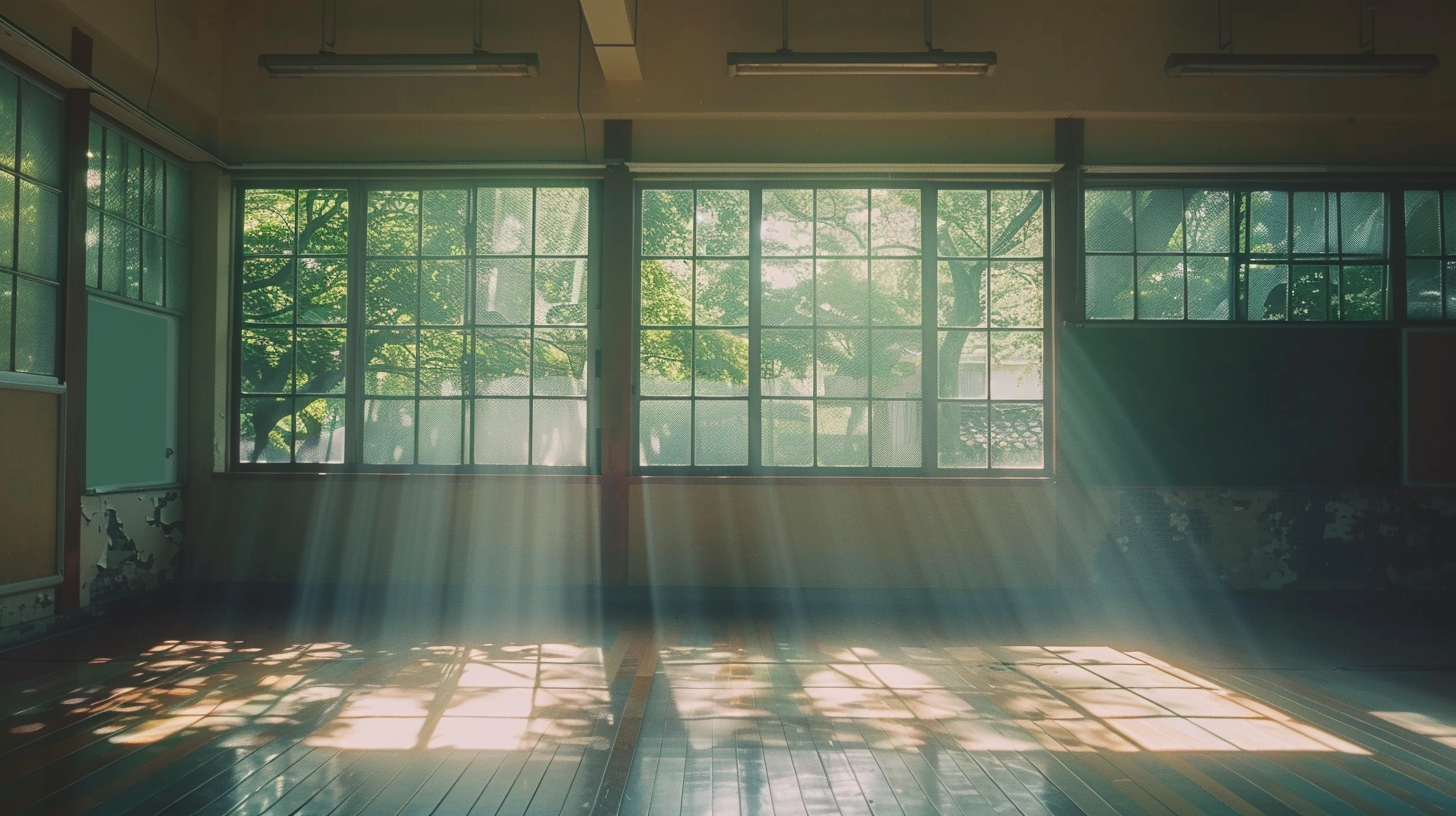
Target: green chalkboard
x: 131, y: 396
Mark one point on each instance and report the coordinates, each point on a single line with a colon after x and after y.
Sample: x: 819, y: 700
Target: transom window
x: 1219, y: 254
x: 896, y: 329
x: 461, y: 339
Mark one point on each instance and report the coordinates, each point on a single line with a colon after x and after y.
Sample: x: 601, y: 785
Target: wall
x: 29, y: 437
x: 130, y: 543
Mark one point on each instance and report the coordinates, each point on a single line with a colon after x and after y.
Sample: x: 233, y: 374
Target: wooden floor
x: 875, y: 713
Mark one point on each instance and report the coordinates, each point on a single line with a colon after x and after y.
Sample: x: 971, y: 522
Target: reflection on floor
x: 702, y: 715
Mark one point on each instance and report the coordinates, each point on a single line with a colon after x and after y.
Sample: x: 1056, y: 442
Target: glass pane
x: 963, y: 356
x: 1160, y: 287
x: 842, y: 218
x: 177, y: 268
x: 113, y: 257
x: 1448, y: 221
x: 1422, y: 222
x: 1016, y: 224
x: 895, y: 434
x: 131, y: 262
x: 787, y: 293
x: 1208, y: 288
x: 842, y: 292
x: 266, y: 362
x: 35, y: 327
x: 267, y: 218
x: 319, y: 361
x: 503, y: 362
x: 1017, y: 436
x: 895, y: 292
x: 1016, y: 294
x: 666, y: 363
x: 561, y: 292
x: 788, y: 222
x: 1108, y: 221
x: 1362, y: 293
x: 320, y: 431
x: 9, y: 117
x: 841, y: 431
x: 896, y: 370
x: 722, y: 293
x: 1016, y: 370
x: 1268, y: 293
x: 721, y: 363
x: 179, y: 198
x: 664, y: 437
x: 842, y: 361
x: 961, y: 293
x: 394, y: 222
x: 441, y: 435
x: 1309, y: 293
x: 132, y: 191
x: 961, y: 223
x: 963, y: 435
x: 503, y: 291
x: 788, y: 433
x: 720, y: 435
x: 40, y: 232
x: 265, y: 430
x: 323, y: 227
x: 323, y: 290
x: 1312, y: 231
x: 154, y: 268
x: 504, y: 222
x: 1109, y: 287
x: 442, y: 228
x: 391, y: 362
x: 152, y: 187
x: 93, y: 240
x: 722, y: 222
x: 391, y: 293
x: 1451, y: 288
x: 895, y: 222
x: 558, y: 433
x: 267, y: 285
x: 7, y: 219
x: 1159, y: 221
x: 787, y: 362
x: 561, y: 220
x: 559, y: 367
x: 442, y: 362
x: 667, y: 293
x: 1362, y: 224
x: 40, y: 134
x: 7, y: 310
x: 1423, y: 289
x: 1206, y: 220
x: 389, y: 432
x: 1269, y: 222
x: 667, y: 222
x: 502, y: 432
x: 443, y: 286
x: 113, y: 181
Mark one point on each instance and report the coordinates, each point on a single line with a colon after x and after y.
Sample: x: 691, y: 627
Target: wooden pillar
x: 73, y: 345
x: 615, y: 370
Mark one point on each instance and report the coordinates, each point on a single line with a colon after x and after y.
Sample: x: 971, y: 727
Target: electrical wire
x: 580, y: 26
x: 157, y: 61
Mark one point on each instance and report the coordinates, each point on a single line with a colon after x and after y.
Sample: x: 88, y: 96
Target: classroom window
x: 31, y: 172
x: 459, y: 339
x: 842, y: 329
x: 1430, y: 243
x: 1248, y: 255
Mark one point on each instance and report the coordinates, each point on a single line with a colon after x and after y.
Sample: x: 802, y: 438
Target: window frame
x: 1392, y: 259
x: 357, y: 189
x: 929, y: 327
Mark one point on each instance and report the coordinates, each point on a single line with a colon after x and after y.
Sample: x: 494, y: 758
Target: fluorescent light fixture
x: 476, y: 64
x: 1301, y: 65
x: 885, y: 63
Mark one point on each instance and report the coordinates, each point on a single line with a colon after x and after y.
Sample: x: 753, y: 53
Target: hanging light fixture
x: 477, y: 63
x: 1365, y: 64
x: 930, y: 62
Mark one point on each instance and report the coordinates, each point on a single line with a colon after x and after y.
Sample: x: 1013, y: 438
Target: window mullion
x: 929, y: 321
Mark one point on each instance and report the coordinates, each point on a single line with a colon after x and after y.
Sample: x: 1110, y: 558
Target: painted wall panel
x: 28, y: 488
x: 130, y: 543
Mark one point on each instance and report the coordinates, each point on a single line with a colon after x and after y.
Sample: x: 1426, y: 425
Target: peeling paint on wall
x: 26, y: 614
x: 129, y: 543
x: 1296, y: 538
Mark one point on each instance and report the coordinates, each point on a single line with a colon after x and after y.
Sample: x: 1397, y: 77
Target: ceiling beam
x: 614, y: 35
